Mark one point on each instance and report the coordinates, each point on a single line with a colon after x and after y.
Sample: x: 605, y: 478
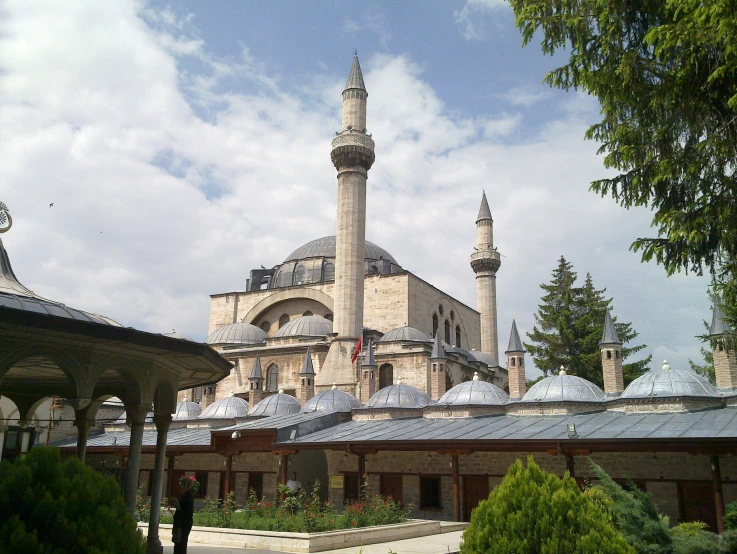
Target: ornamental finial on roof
x: 562, y: 371
x: 6, y: 222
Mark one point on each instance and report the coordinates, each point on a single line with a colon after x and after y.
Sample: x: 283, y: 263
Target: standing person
x: 183, y: 517
x: 293, y: 484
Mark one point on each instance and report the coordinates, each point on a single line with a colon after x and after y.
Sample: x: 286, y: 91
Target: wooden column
x: 456, y: 488
x: 361, y: 475
x: 716, y: 478
x: 162, y: 428
x: 228, y: 475
x: 570, y: 465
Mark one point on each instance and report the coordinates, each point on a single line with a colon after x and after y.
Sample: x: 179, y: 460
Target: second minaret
x: 352, y: 154
x: 485, y: 262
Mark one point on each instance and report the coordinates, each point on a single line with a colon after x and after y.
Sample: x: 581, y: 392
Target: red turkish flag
x: 357, y: 350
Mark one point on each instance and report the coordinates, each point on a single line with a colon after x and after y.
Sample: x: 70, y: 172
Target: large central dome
x: 314, y: 262
x: 325, y: 248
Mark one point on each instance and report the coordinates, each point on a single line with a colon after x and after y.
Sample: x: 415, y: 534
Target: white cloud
x: 473, y: 18
x: 169, y: 185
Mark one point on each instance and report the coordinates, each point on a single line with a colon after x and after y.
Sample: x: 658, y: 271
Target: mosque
x: 347, y: 365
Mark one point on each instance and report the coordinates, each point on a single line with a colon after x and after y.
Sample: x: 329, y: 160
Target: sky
x: 183, y: 144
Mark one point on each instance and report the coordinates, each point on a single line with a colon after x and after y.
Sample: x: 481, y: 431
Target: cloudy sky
x: 184, y: 144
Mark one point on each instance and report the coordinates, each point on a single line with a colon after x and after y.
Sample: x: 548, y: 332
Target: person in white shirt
x: 293, y: 484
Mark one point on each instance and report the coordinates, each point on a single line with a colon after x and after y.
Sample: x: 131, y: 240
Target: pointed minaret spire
x: 256, y: 374
x: 725, y: 363
x: 611, y: 358
x: 609, y: 336
x: 256, y: 379
x: 368, y: 360
x: 307, y: 375
x: 516, y: 364
x: 355, y: 77
x: 438, y: 351
x: 484, y: 211
x: 485, y: 262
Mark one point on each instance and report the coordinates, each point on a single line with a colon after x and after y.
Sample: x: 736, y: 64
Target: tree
x: 52, y: 507
x: 665, y: 75
x: 569, y: 325
x: 707, y: 368
x: 533, y: 511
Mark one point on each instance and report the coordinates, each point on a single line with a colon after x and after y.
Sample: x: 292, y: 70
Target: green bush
x: 730, y: 516
x: 535, y: 512
x: 50, y: 507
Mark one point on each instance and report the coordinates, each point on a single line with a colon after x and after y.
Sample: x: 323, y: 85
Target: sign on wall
x: 337, y: 481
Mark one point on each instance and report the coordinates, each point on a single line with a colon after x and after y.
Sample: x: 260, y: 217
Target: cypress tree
x: 569, y: 325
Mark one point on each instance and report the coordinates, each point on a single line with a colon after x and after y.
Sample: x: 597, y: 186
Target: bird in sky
x: 51, y: 204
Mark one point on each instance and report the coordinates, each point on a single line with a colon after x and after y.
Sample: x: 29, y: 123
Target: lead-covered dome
x: 405, y: 334
x: 668, y: 382
x: 564, y: 388
x: 325, y: 248
x: 475, y: 393
x: 306, y: 326
x: 333, y: 400
x: 230, y: 407
x: 314, y: 262
x: 180, y: 336
x: 237, y: 333
x: 398, y: 396
x: 483, y: 357
x: 186, y: 410
x: 276, y: 404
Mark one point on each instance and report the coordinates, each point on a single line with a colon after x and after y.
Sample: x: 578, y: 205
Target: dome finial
x: 665, y: 367
x: 475, y: 375
x: 562, y: 371
x: 334, y: 386
x: 399, y: 380
x: 281, y: 391
x: 185, y: 398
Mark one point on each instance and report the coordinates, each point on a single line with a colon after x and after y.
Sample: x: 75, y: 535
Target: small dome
x: 226, y: 408
x: 187, y: 410
x: 237, y: 333
x: 123, y: 418
x: 485, y: 358
x: 471, y: 357
x: 398, y: 396
x: 306, y: 326
x: 405, y: 334
x: 176, y: 335
x: 660, y: 383
x: 564, y: 388
x: 333, y: 400
x: 276, y: 404
x: 473, y: 393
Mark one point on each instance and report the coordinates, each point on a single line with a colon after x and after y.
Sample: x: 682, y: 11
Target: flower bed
x: 296, y: 513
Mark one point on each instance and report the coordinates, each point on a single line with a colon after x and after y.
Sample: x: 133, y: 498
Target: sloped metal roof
x: 176, y: 335
x: 488, y: 359
x: 175, y: 437
x: 307, y: 367
x: 515, y: 344
x: 438, y: 352
x: 718, y: 325
x: 355, y: 77
x: 324, y: 247
x: 708, y: 424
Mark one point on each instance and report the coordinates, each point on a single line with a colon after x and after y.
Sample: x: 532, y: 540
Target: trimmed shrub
x: 535, y: 512
x: 50, y: 507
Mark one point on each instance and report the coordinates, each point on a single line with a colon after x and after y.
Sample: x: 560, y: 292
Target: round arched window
x: 283, y: 320
x: 265, y: 326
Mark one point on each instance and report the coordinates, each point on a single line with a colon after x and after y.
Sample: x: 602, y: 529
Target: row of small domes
x: 662, y: 383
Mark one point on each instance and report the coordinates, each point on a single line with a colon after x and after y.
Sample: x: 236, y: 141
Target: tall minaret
x: 352, y: 155
x: 485, y: 262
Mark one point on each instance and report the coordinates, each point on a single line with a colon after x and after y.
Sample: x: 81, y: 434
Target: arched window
x: 386, y: 375
x: 608, y: 354
x: 265, y: 326
x: 283, y: 320
x: 434, y: 325
x: 447, y: 331
x: 299, y: 275
x: 272, y: 378
x: 308, y: 312
x: 441, y: 310
x: 328, y: 272
x: 458, y: 336
x: 329, y: 317
x: 452, y: 315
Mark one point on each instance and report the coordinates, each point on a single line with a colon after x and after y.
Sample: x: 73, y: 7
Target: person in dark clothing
x: 183, y: 517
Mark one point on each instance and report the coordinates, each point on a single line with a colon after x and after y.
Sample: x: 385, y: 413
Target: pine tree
x: 706, y: 369
x: 571, y: 322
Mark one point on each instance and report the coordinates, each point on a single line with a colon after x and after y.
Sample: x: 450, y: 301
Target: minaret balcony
x: 485, y: 260
x: 350, y: 149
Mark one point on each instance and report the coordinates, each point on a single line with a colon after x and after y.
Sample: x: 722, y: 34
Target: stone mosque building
x: 420, y: 408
